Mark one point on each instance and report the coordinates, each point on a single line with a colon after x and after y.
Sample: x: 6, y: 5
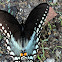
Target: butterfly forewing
x: 34, y: 19
x: 10, y: 24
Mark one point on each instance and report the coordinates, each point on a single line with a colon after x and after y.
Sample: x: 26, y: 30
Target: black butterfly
x: 22, y: 39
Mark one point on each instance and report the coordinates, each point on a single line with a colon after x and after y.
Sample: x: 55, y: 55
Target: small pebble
x: 55, y: 1
x: 50, y: 60
x: 58, y: 53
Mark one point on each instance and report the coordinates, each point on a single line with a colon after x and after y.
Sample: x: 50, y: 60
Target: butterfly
x: 23, y: 39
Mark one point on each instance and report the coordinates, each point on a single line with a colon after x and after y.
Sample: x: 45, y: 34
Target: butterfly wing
x: 33, y: 26
x: 11, y: 29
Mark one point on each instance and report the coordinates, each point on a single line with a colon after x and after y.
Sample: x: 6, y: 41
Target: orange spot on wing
x: 25, y: 54
x: 21, y: 54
